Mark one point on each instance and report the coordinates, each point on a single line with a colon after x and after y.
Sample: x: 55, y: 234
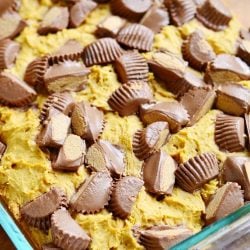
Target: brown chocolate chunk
x: 158, y: 173
x: 197, y: 51
x: 131, y: 10
x: 56, y: 19
x: 102, y: 51
x: 79, y: 12
x: 66, y: 233
x: 172, y: 112
x: 136, y: 36
x: 197, y: 171
x: 155, y: 18
x: 14, y: 91
x: 131, y: 66
x: 66, y: 76
x: 37, y: 213
x: 233, y: 99
x: 198, y: 102
x: 163, y: 236
x: 214, y: 15
x: 2, y: 149
x: 226, y: 200
x: 93, y: 195
x: 127, y: 99
x: 110, y: 26
x: 243, y: 51
x: 50, y: 246
x: 71, y: 154
x: 124, y: 196
x: 229, y: 133
x: 87, y: 121
x: 226, y: 68
x: 104, y: 156
x: 150, y: 139
x: 8, y: 53
x: 180, y: 11
x: 236, y: 169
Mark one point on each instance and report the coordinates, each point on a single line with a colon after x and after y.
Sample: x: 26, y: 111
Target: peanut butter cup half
x: 197, y: 171
x: 2, y: 149
x: 37, y: 213
x: 243, y: 51
x: 66, y: 233
x: 93, y: 195
x: 230, y: 133
x: 150, y: 139
x: 124, y: 195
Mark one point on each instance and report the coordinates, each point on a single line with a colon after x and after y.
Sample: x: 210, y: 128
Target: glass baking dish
x: 229, y: 233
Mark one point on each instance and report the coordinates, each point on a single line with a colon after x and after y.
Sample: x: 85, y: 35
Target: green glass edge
x: 213, y: 228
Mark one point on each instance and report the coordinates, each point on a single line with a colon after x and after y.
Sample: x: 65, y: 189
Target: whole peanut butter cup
x: 243, y: 51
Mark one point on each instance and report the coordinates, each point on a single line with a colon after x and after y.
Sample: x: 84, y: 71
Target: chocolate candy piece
x: 79, y: 12
x: 131, y: 66
x: 37, y: 213
x: 14, y: 91
x: 214, y: 15
x: 71, y: 154
x: 226, y: 200
x: 2, y: 149
x: 127, y: 99
x: 66, y: 233
x: 50, y: 246
x: 104, y: 156
x: 194, y: 173
x: 102, y: 51
x: 56, y: 19
x: 124, y: 196
x: 93, y: 195
x: 163, y: 236
x: 172, y: 112
x: 243, y: 51
x: 150, y: 139
x: 8, y: 53
x: 181, y: 11
x: 233, y: 99
x: 87, y: 121
x: 198, y: 102
x: 236, y: 169
x: 155, y: 18
x: 229, y: 133
x: 110, y: 26
x: 158, y: 173
x: 131, y: 10
x: 226, y: 68
x: 136, y: 36
x: 54, y: 131
x: 197, y: 51
x: 66, y: 76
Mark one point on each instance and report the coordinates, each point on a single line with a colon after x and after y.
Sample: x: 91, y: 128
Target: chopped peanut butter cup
x: 150, y: 139
x: 214, y: 15
x: 2, y: 149
x: 158, y: 173
x: 172, y: 112
x: 229, y: 133
x: 87, y: 121
x: 66, y: 233
x: 243, y: 51
x: 131, y: 66
x: 237, y: 169
x: 197, y: 171
x: 197, y: 51
x: 56, y: 19
x: 37, y: 213
x: 226, y: 200
x: 129, y: 9
x: 104, y: 156
x: 102, y: 51
x: 14, y: 91
x: 233, y: 99
x: 127, y: 99
x: 124, y: 195
x: 136, y: 36
x: 94, y: 194
x: 8, y: 53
